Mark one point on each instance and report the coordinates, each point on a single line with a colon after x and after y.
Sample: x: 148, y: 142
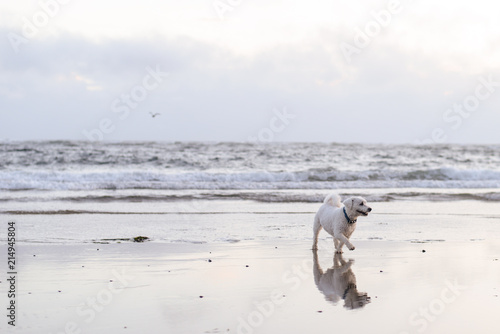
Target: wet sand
x: 247, y: 267
x: 258, y: 287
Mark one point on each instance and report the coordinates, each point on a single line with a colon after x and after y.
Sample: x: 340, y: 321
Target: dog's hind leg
x: 318, y: 272
x: 316, y: 229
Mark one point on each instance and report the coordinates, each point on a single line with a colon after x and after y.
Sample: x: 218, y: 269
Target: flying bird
x: 155, y: 114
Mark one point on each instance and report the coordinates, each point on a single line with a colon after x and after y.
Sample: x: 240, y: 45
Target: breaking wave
x: 310, y: 179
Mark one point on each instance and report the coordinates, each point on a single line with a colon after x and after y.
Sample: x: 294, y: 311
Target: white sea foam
x: 64, y: 180
x: 82, y: 166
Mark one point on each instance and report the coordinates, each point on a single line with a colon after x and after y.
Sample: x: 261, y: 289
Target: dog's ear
x: 352, y: 203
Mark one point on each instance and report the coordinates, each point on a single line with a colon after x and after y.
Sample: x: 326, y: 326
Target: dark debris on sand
x: 119, y: 240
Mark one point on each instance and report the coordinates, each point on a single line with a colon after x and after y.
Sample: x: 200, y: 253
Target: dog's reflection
x: 339, y: 283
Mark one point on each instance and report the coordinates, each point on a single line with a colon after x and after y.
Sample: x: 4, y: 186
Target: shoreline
x: 67, y: 198
x: 237, y: 221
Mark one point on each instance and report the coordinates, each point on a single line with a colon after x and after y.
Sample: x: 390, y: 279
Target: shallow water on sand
x: 259, y: 287
x: 233, y: 221
x: 247, y: 267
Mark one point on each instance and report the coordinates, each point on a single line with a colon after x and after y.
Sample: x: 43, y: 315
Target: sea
x: 193, y: 192
x: 265, y: 172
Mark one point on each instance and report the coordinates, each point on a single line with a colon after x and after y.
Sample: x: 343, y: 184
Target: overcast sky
x: 238, y: 70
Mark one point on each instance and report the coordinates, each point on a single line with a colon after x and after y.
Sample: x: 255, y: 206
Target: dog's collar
x: 349, y: 287
x: 349, y: 221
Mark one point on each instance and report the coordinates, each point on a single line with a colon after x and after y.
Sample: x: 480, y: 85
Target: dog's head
x: 354, y: 299
x: 357, y: 206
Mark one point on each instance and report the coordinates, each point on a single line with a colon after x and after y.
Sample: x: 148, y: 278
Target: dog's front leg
x: 346, y: 241
x: 338, y: 245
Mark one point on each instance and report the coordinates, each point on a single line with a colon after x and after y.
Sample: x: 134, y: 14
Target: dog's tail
x: 333, y: 200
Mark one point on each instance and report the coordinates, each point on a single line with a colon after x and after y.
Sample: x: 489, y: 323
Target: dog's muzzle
x: 365, y: 213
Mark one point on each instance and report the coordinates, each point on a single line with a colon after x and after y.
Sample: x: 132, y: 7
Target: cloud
x: 59, y: 85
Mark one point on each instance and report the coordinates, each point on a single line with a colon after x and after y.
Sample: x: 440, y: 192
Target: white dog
x: 339, y: 219
x: 339, y: 282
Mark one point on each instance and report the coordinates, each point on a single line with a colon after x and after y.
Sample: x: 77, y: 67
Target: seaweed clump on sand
x: 119, y: 240
x: 140, y: 239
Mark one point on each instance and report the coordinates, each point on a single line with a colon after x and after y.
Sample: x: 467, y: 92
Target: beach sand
x: 415, y: 281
